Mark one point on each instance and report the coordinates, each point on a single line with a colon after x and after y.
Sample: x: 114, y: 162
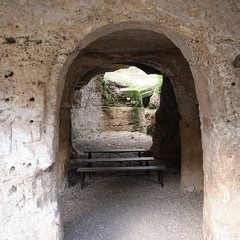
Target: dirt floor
x: 132, y: 206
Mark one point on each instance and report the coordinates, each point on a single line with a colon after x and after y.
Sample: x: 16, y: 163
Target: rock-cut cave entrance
x: 122, y: 103
x: 153, y: 51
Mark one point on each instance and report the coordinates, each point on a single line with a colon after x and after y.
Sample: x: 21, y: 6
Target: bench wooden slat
x: 131, y: 168
x: 95, y: 160
x: 119, y: 150
x: 84, y: 170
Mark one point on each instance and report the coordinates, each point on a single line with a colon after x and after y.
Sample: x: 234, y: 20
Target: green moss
x: 159, y: 84
x: 135, y: 118
x: 105, y: 91
x: 108, y: 97
x: 105, y: 84
x: 134, y: 95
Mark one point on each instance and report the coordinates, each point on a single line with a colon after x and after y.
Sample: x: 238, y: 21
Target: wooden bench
x: 114, y: 160
x: 84, y: 170
x: 119, y: 150
x: 90, y: 169
x: 102, y: 160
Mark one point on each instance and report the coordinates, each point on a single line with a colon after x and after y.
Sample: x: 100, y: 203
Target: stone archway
x: 190, y: 114
x: 90, y: 62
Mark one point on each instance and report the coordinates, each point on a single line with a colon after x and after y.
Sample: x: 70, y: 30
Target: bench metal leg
x: 160, y: 177
x: 89, y: 174
x: 82, y: 176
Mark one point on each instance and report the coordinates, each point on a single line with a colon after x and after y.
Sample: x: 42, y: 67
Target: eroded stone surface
x: 39, y: 41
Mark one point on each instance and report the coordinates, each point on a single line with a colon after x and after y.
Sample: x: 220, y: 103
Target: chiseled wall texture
x: 87, y: 114
x: 38, y: 42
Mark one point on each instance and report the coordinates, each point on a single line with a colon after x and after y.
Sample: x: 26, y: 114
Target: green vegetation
x: 133, y: 82
x: 106, y: 94
x: 134, y: 95
x: 109, y: 96
x: 135, y: 118
x: 105, y: 84
x: 158, y: 87
x: 131, y: 87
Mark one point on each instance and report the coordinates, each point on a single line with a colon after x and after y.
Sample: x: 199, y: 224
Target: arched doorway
x: 150, y: 50
x: 128, y: 46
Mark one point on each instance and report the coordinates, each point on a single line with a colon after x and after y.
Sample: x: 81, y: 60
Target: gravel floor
x: 130, y: 207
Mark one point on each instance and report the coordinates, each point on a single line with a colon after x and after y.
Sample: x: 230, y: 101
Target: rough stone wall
x: 166, y: 138
x: 87, y: 114
x: 122, y: 119
x: 49, y: 35
x: 191, y: 146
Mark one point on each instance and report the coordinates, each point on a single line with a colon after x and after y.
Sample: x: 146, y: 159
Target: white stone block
x: 21, y: 132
